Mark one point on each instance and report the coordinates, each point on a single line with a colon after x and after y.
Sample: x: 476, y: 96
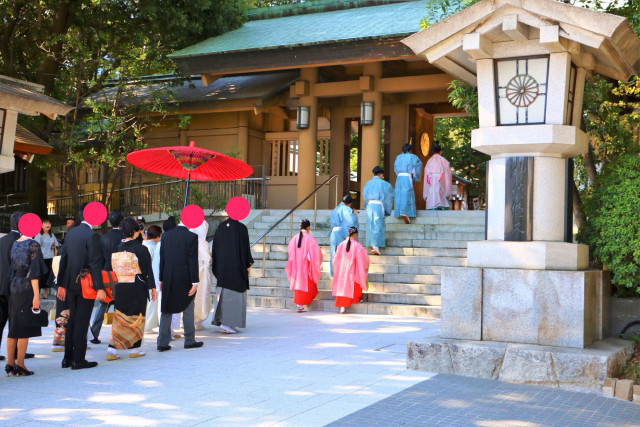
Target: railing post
x: 336, y: 203
x: 315, y: 209
x: 291, y: 224
x: 264, y: 253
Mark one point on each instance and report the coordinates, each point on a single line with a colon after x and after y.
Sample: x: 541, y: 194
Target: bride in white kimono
x: 203, y: 303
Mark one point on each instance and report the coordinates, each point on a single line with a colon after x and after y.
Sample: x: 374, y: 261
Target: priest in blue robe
x: 342, y: 218
x: 408, y: 168
x: 378, y: 197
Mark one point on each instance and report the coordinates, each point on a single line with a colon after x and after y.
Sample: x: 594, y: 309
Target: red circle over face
x: 238, y: 208
x: 30, y: 224
x: 192, y: 216
x: 95, y: 213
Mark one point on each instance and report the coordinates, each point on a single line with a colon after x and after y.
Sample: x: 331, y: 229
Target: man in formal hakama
x: 303, y: 266
x: 437, y: 181
x: 231, y: 262
x: 203, y: 296
x: 378, y: 196
x: 342, y: 217
x: 351, y: 267
x: 408, y: 168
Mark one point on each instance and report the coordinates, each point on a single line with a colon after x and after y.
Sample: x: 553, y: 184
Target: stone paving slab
x: 445, y: 400
x: 285, y: 369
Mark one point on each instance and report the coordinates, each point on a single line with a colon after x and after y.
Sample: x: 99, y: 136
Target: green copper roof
x: 341, y: 25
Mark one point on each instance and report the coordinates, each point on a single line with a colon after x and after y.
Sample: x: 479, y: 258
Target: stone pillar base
x: 573, y: 369
x: 558, y: 308
x: 535, y: 255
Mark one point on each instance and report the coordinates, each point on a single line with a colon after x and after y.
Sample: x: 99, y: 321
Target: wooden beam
x: 274, y: 110
x: 331, y: 89
x: 366, y: 83
x: 515, y: 29
x: 413, y: 83
x: 208, y: 78
x: 301, y: 88
x: 477, y: 46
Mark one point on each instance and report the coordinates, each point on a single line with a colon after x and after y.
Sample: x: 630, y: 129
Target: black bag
x: 33, y: 319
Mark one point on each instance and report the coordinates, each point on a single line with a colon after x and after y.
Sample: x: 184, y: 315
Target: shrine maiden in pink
x: 303, y: 266
x: 350, y: 268
x: 436, y: 189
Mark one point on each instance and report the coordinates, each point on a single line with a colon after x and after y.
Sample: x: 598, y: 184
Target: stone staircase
x: 404, y: 281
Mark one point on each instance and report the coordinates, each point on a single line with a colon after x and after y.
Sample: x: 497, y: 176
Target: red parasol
x: 190, y: 162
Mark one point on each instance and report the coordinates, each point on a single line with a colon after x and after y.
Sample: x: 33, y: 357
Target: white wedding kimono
x: 203, y: 304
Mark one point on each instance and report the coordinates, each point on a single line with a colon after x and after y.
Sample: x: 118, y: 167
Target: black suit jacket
x: 178, y: 268
x: 6, y: 242
x: 110, y: 242
x: 82, y: 250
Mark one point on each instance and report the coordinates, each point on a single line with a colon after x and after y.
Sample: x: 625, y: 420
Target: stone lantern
x: 528, y: 282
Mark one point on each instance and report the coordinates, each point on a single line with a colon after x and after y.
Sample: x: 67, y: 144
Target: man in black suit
x: 6, y: 242
x: 82, y: 251
x: 110, y: 242
x: 179, y: 279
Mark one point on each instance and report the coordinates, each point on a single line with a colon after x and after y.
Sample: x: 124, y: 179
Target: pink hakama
x: 303, y: 268
x: 437, y: 182
x: 349, y: 273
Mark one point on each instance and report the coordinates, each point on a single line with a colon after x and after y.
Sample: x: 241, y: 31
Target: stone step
x: 360, y: 308
x: 279, y: 260
x: 325, y: 284
x: 443, y: 242
x: 378, y: 297
x: 279, y: 251
x: 323, y: 228
x: 425, y: 279
x: 417, y: 268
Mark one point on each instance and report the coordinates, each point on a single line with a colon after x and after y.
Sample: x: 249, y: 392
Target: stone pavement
x: 450, y: 400
x: 286, y: 369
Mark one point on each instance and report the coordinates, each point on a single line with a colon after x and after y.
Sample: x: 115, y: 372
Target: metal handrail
x: 263, y: 237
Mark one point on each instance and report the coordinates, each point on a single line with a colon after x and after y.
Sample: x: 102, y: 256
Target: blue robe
x: 405, y: 199
x: 377, y: 189
x: 341, y: 219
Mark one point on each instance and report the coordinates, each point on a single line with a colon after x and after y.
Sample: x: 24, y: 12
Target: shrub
x: 612, y: 229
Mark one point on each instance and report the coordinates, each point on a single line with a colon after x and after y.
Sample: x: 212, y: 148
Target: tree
x: 73, y: 47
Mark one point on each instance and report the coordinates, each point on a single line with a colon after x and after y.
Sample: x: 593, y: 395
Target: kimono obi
x: 125, y: 265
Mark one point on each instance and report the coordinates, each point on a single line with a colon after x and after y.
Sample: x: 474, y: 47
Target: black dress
x: 26, y: 264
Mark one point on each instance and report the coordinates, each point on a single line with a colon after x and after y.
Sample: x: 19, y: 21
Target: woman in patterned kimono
x: 303, y: 266
x: 350, y: 268
x: 132, y: 292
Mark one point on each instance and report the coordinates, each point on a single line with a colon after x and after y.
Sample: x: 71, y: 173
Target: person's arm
x: 193, y: 263
x: 36, y: 293
x: 95, y: 260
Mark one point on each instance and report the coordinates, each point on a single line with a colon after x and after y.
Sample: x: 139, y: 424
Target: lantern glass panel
x: 522, y: 90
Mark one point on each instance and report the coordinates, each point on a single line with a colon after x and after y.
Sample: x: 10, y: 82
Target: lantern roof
x: 597, y: 41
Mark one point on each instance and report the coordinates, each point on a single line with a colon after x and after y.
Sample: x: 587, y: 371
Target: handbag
x: 109, y: 280
x: 33, y: 318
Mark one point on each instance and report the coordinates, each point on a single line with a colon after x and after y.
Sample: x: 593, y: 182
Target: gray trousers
x: 164, y: 334
x: 98, y: 318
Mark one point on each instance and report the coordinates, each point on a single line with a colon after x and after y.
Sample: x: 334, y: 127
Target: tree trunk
x: 590, y: 166
x: 578, y: 213
x: 37, y: 191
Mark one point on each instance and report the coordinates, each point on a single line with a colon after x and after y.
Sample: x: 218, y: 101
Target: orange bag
x: 109, y: 280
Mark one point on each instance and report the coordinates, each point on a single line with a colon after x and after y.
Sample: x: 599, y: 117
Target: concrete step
x: 424, y: 279
x: 417, y: 268
x: 323, y: 228
x: 279, y: 260
x: 360, y: 308
x: 325, y: 284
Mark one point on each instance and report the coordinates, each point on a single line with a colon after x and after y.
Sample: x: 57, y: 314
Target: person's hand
x: 61, y: 293
x: 36, y: 301
x: 193, y: 290
x: 154, y: 295
x: 101, y: 295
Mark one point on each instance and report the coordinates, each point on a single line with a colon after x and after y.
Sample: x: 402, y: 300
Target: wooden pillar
x: 370, y: 154
x: 243, y: 135
x: 337, y: 154
x: 307, y: 139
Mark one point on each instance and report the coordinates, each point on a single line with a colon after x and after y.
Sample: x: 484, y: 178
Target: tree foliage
x: 74, y: 47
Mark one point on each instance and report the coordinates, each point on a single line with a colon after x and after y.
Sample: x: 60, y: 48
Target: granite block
x: 624, y: 389
x: 461, y: 293
x: 509, y: 305
x: 636, y: 394
x: 430, y: 356
x: 478, y: 359
x: 609, y: 387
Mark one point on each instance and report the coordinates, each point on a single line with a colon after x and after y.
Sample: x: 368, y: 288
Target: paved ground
x: 287, y: 369
x: 450, y: 400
